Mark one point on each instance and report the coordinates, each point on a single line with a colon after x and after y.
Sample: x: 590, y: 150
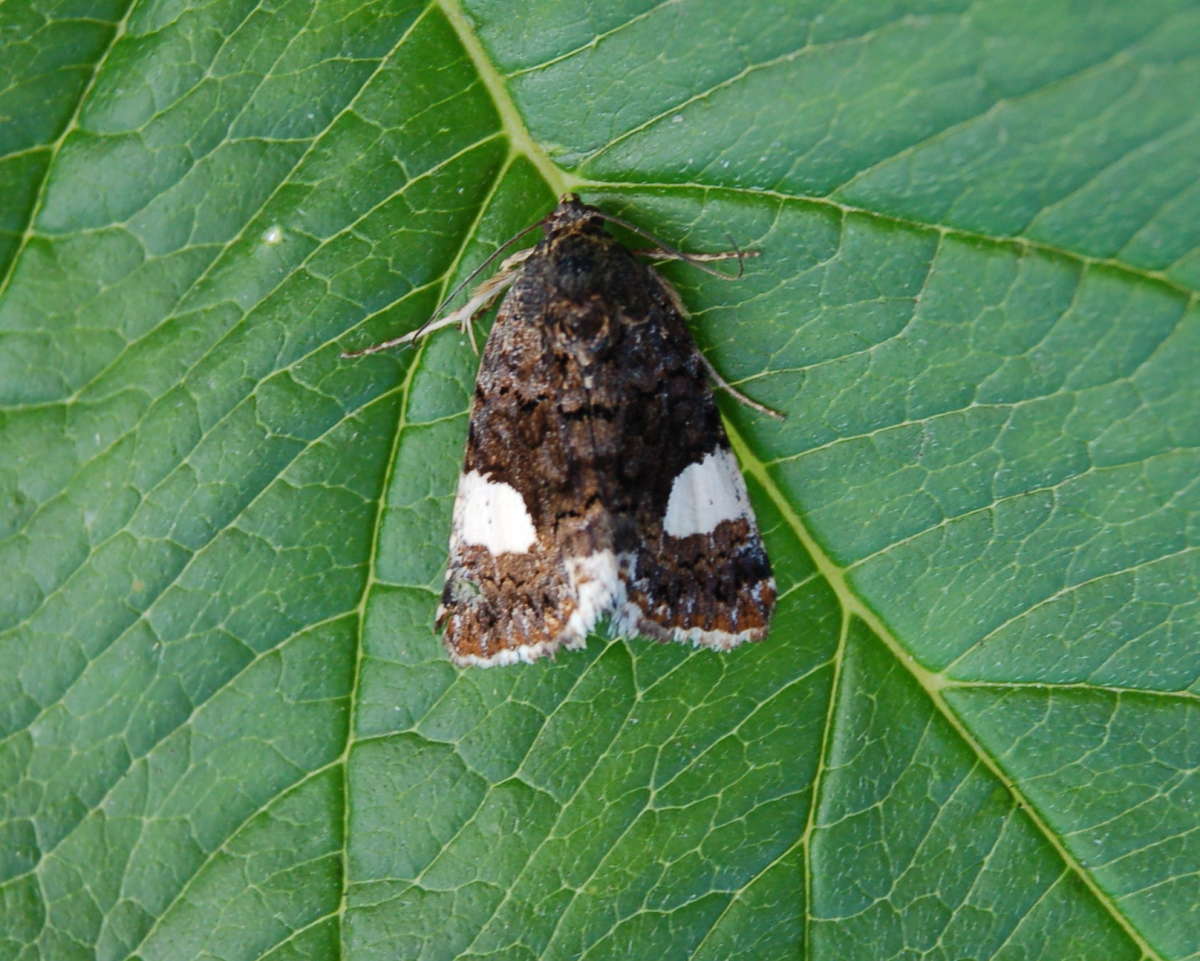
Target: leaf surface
x: 226, y: 727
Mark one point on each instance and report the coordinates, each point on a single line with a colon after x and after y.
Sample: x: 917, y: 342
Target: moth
x: 598, y: 478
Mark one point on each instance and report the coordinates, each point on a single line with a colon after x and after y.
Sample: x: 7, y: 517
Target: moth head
x: 574, y: 216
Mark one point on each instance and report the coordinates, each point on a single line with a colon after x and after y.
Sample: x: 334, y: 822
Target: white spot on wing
x: 705, y: 494
x: 598, y: 589
x: 491, y: 514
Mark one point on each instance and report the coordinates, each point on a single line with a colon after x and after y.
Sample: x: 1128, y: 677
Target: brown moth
x: 598, y: 477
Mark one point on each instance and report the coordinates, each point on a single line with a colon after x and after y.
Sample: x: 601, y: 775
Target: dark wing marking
x: 707, y: 583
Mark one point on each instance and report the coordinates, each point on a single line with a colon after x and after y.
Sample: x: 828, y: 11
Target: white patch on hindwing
x: 705, y: 494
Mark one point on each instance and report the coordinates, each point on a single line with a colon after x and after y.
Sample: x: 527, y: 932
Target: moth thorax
x: 577, y: 270
x: 590, y: 319
x: 588, y: 330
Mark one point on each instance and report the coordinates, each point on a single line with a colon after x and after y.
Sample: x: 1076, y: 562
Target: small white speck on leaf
x: 273, y: 235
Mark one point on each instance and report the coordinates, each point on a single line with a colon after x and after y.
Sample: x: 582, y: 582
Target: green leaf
x: 226, y: 726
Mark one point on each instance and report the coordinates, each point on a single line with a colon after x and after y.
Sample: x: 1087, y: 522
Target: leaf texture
x: 227, y: 729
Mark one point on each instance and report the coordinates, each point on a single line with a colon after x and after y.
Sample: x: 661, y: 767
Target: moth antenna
x: 427, y: 327
x: 696, y: 260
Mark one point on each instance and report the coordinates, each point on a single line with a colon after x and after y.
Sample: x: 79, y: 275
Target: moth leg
x: 482, y: 297
x: 737, y: 394
x: 712, y: 371
x: 663, y: 252
x: 660, y: 253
